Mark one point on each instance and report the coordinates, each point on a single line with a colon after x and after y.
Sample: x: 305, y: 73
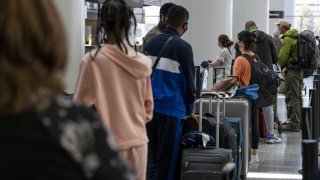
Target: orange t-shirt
x: 242, y: 69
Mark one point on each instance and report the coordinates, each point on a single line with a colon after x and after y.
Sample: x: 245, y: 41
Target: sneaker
x: 286, y: 122
x: 290, y: 127
x: 271, y: 139
x: 254, y: 159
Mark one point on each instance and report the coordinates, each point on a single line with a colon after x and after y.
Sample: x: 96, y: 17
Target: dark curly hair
x: 248, y: 39
x: 165, y: 8
x: 115, y: 18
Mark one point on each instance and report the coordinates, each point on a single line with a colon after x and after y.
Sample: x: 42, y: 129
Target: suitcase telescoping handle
x: 223, y: 95
x: 211, y: 95
x: 215, y: 73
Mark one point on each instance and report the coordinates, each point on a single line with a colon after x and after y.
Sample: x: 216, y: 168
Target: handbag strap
x: 234, y: 77
x: 160, y: 53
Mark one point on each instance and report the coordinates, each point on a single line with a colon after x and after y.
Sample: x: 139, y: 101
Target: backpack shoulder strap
x: 249, y: 58
x: 292, y: 47
x: 160, y: 53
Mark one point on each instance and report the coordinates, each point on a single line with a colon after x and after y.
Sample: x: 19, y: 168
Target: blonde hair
x: 32, y: 55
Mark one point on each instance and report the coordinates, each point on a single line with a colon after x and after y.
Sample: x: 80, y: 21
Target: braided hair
x: 114, y: 19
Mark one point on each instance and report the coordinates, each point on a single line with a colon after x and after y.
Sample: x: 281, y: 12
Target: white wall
x: 275, y: 5
x: 290, y: 11
x: 246, y: 10
x: 209, y: 19
x: 72, y: 15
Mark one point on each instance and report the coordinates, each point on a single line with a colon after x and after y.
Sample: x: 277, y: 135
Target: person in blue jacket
x: 173, y: 92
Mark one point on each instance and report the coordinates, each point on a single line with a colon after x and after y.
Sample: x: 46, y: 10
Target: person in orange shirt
x: 242, y: 69
x: 116, y: 80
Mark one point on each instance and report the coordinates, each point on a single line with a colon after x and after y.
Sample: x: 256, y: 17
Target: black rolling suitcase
x: 205, y: 163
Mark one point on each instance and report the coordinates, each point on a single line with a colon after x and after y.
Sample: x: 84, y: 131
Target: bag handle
x: 238, y: 79
x: 234, y: 77
x: 160, y: 53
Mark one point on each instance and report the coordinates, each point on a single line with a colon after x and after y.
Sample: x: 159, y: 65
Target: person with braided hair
x: 115, y: 79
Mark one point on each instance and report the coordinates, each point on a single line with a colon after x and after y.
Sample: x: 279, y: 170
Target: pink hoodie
x: 119, y: 86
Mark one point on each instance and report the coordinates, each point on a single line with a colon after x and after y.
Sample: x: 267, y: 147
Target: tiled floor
x: 280, y: 161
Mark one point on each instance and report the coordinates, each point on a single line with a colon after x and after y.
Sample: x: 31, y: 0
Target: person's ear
x: 162, y: 18
x: 166, y: 20
x: 185, y: 26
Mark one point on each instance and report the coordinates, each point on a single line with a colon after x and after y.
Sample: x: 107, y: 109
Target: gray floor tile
x: 283, y: 158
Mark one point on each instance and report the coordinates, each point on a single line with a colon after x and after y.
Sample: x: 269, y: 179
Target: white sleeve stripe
x: 166, y: 64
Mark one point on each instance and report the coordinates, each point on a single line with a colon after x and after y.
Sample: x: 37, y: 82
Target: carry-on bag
x: 205, y: 163
x: 235, y: 123
x: 237, y: 107
x: 231, y: 136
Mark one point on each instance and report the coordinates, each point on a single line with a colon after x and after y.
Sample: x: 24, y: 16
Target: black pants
x: 254, y: 126
x: 164, y: 133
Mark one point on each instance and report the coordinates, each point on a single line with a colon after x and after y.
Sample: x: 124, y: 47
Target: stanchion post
x: 310, y: 159
x: 317, y: 104
x: 313, y: 123
x: 305, y: 120
x: 198, y: 82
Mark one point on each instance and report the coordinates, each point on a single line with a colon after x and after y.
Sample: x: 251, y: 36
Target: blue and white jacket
x: 173, y: 79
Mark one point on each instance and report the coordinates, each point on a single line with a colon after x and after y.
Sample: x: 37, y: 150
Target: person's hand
x: 205, y: 64
x: 193, y: 116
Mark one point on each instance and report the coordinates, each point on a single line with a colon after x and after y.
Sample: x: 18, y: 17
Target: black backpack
x: 306, y: 51
x: 262, y: 75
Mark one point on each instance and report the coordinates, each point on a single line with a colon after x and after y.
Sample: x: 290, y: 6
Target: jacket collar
x: 171, y: 30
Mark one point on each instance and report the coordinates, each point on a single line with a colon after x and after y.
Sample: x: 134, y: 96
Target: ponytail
x: 225, y: 41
